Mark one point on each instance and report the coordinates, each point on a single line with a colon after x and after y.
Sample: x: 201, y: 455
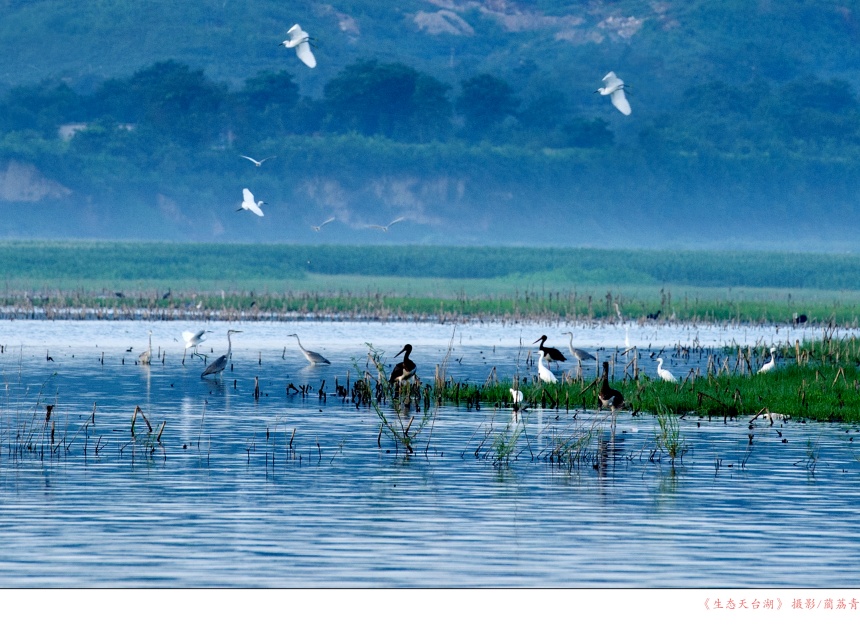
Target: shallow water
x: 222, y: 500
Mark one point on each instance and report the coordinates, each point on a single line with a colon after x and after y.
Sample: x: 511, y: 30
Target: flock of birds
x: 405, y: 370
x: 300, y: 41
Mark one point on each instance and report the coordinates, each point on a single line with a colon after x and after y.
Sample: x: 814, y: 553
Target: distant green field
x: 475, y: 281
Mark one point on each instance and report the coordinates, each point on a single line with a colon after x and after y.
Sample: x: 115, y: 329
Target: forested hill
x: 476, y: 121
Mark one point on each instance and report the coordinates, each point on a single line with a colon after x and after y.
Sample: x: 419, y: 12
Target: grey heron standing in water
x: 312, y: 357
x: 218, y: 365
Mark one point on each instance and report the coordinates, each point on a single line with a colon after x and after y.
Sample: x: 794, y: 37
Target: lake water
x: 224, y: 499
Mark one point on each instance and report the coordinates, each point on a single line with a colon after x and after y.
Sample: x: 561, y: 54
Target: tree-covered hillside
x: 476, y: 121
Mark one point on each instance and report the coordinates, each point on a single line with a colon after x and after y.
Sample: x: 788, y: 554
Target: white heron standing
x: 771, y: 364
x: 384, y: 228
x: 544, y: 373
x: 299, y: 40
x: 218, y: 365
x: 665, y: 374
x: 517, y: 395
x: 258, y: 163
x: 249, y: 204
x: 313, y: 357
x: 145, y: 358
x: 614, y: 88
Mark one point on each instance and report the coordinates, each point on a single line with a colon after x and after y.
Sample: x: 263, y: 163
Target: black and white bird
x: 550, y: 353
x: 219, y: 364
x: 609, y: 397
x: 312, y: 357
x: 403, y: 370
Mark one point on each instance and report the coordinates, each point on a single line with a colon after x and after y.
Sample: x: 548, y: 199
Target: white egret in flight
x: 249, y: 204
x: 260, y: 162
x: 614, y: 88
x: 316, y: 228
x: 192, y: 340
x: 299, y: 40
x: 385, y: 227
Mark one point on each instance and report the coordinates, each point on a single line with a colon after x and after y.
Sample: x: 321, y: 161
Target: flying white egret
x: 544, y: 373
x: 385, y: 227
x: 608, y: 396
x: 614, y: 88
x: 404, y: 370
x: 580, y: 354
x: 218, y: 365
x: 313, y: 357
x: 665, y: 374
x: 192, y: 340
x: 260, y: 162
x: 551, y: 353
x: 771, y: 364
x: 249, y: 204
x: 145, y: 358
x: 316, y: 228
x: 299, y: 40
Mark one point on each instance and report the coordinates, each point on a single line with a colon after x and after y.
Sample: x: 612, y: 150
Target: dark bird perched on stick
x: 404, y: 370
x: 608, y: 396
x: 550, y: 353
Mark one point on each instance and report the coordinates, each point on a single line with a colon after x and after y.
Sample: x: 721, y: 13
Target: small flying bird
x: 609, y: 397
x: 249, y: 204
x: 258, y: 163
x: 404, y: 370
x: 614, y: 88
x: 551, y: 353
x: 316, y: 228
x: 218, y: 365
x: 771, y: 364
x: 313, y: 357
x: 385, y: 227
x: 544, y: 373
x: 665, y: 374
x: 299, y: 40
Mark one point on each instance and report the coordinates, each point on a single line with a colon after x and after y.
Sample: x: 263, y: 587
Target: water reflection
x: 294, y: 490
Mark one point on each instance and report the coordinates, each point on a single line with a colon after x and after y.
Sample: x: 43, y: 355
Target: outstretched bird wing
x: 620, y: 101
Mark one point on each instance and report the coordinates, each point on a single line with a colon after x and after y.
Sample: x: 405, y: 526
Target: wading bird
x: 192, y: 340
x: 609, y: 397
x: 580, y: 354
x: 771, y: 364
x: 145, y: 358
x: 299, y: 40
x: 260, y: 162
x: 249, y: 204
x: 313, y: 357
x: 316, y: 228
x: 385, y: 227
x: 614, y: 88
x: 665, y: 374
x: 517, y: 396
x: 403, y: 370
x: 544, y: 373
x: 551, y: 353
x: 218, y: 365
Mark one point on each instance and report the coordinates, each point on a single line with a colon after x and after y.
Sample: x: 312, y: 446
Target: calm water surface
x: 223, y: 500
